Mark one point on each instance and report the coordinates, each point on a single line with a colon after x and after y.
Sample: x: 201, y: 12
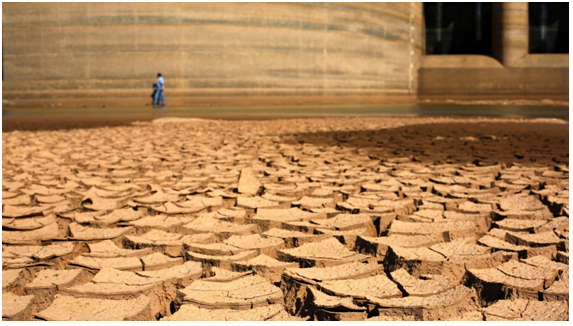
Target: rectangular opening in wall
x: 458, y: 28
x: 548, y: 27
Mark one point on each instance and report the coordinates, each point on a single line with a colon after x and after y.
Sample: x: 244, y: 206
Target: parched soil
x: 65, y: 122
x: 301, y: 219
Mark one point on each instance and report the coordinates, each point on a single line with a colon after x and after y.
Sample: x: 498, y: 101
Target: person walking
x: 153, y: 94
x: 160, y: 89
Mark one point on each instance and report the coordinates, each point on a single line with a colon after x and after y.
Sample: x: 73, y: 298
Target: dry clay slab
x: 448, y: 304
x: 295, y: 281
x: 191, y: 312
x: 527, y: 310
x: 15, y: 307
x: 65, y: 308
x: 246, y: 292
x: 326, y: 253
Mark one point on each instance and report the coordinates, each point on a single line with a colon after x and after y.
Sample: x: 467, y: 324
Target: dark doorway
x: 548, y: 27
x: 458, y: 28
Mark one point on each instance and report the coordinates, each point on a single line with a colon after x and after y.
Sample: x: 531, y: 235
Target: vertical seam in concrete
x: 183, y: 84
x: 325, y: 52
x: 298, y: 67
x: 410, y: 67
x: 91, y: 83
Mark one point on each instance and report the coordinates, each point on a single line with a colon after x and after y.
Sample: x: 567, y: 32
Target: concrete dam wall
x: 211, y: 51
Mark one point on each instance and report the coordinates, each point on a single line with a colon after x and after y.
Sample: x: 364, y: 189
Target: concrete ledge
x: 544, y: 61
x: 494, y: 83
x: 483, y: 61
x: 459, y: 61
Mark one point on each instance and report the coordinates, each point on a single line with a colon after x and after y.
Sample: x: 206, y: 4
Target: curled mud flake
x: 156, y: 261
x: 107, y: 310
x: 16, y: 307
x: 248, y: 182
x: 246, y: 292
x: 10, y: 278
x: 45, y: 233
x: 212, y: 225
x: 424, y: 285
x: 182, y: 274
x: 294, y: 238
x: 18, y: 200
x: 262, y: 245
x: 121, y: 263
x: 314, y: 202
x: 190, y: 312
x: 79, y: 232
x: 108, y: 249
x: 325, y: 253
x: 23, y: 211
x: 378, y: 246
x: 522, y: 309
x: 157, y: 198
x: 559, y: 290
x: 379, y: 286
x: 255, y: 202
x: 31, y: 223
x: 265, y: 266
x: 103, y: 204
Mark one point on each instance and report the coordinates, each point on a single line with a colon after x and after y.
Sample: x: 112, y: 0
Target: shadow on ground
x: 478, y: 143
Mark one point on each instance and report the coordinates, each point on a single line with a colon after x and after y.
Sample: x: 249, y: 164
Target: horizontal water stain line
x: 378, y: 32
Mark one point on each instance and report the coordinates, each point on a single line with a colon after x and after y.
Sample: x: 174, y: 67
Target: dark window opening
x: 458, y: 28
x: 548, y: 27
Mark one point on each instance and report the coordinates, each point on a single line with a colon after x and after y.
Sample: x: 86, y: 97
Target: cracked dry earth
x: 326, y: 219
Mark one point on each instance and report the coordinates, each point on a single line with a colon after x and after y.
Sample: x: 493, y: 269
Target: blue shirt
x: 160, y: 83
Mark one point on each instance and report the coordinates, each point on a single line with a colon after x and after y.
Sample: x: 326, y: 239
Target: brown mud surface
x: 51, y: 122
x: 300, y: 219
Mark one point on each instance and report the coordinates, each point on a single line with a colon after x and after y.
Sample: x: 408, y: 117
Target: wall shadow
x: 478, y: 143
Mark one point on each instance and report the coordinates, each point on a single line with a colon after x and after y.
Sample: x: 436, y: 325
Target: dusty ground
x: 47, y: 122
x: 320, y: 219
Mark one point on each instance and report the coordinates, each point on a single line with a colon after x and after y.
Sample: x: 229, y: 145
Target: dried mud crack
x: 316, y: 219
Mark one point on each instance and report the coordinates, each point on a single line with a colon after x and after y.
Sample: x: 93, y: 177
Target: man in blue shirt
x: 160, y: 89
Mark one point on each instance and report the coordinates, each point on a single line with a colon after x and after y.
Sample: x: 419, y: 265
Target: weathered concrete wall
x: 512, y: 73
x: 89, y: 50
